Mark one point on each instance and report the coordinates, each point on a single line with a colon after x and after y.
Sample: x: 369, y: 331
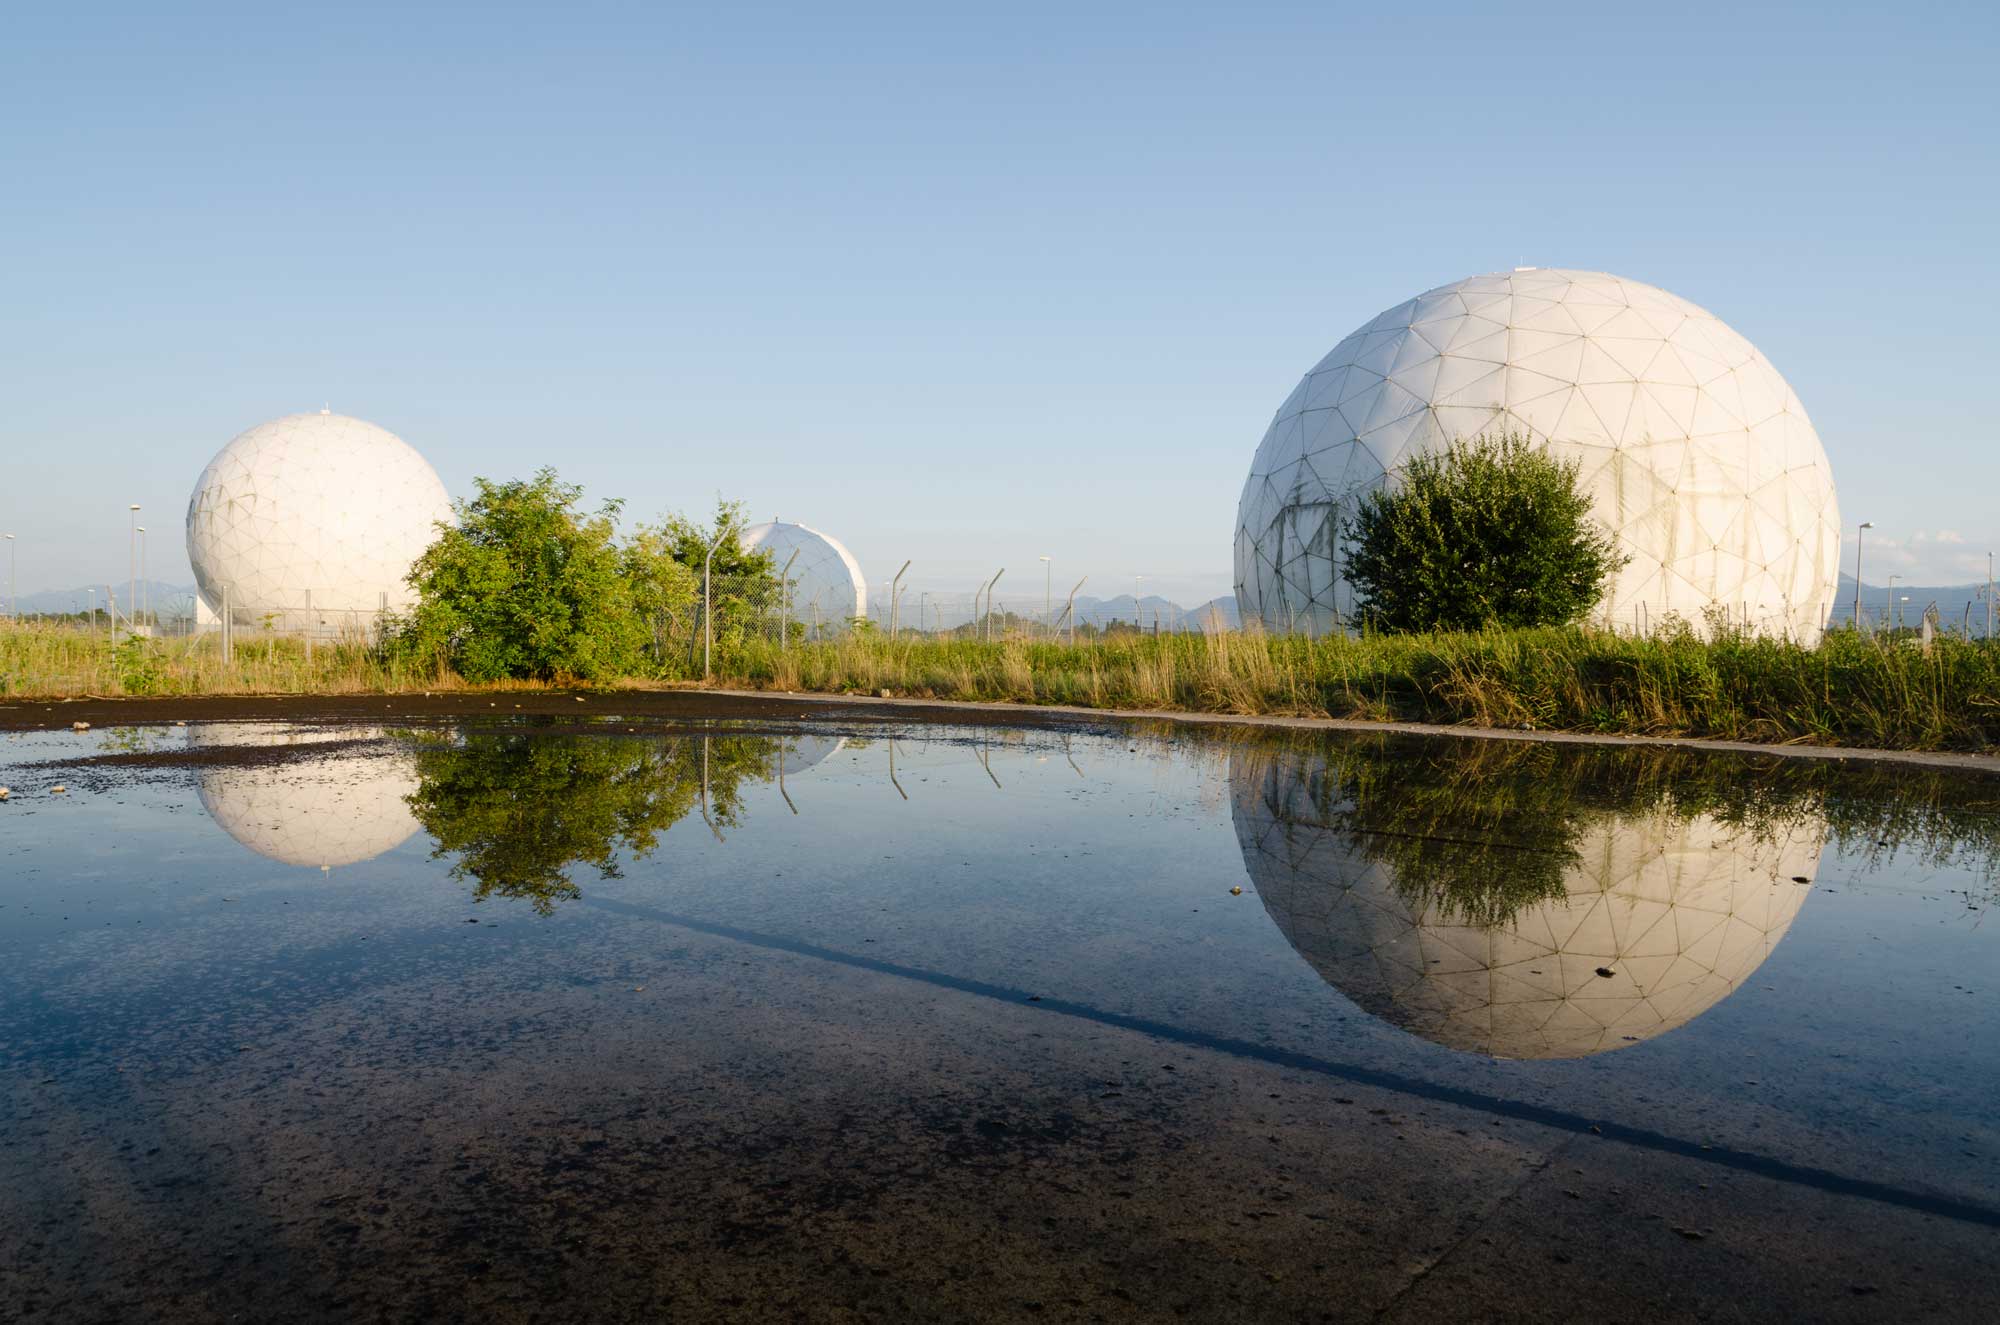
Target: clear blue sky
x: 961, y: 288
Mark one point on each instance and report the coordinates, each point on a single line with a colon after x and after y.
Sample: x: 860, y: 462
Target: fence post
x: 310, y: 625
x: 707, y: 614
x: 896, y: 599
x: 785, y: 600
x: 989, y: 602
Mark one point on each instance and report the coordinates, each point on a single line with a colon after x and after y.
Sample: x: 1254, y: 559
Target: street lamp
x: 1048, y: 596
x: 131, y: 567
x: 1865, y: 524
x: 1889, y: 602
x: 1899, y: 610
x: 142, y: 569
x: 13, y: 610
x: 1138, y: 582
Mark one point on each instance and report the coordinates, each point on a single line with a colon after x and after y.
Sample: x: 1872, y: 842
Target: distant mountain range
x: 159, y: 596
x: 1171, y: 615
x: 1878, y: 600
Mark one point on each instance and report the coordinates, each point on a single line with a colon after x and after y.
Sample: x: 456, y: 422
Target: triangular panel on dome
x: 1469, y: 382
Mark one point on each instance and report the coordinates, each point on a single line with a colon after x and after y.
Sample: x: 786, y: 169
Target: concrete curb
x: 963, y: 709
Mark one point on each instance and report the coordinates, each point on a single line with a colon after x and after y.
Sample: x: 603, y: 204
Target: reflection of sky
x: 129, y: 928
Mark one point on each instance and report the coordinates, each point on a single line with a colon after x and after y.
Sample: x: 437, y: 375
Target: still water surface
x: 639, y: 1018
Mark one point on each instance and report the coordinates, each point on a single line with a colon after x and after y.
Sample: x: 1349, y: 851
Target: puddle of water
x: 343, y: 983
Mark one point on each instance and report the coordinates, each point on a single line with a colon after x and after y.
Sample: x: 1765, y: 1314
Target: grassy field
x: 1847, y: 691
x: 67, y: 662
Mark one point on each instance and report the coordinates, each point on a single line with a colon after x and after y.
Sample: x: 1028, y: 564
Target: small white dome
x: 826, y: 586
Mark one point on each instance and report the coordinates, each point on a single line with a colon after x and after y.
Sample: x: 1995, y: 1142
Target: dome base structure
x: 1696, y: 454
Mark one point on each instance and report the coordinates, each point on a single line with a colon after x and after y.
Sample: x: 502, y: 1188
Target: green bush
x: 526, y: 586
x: 137, y: 660
x: 1490, y: 532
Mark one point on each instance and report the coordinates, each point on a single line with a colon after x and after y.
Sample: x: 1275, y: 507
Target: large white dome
x: 1678, y: 910
x: 1697, y: 455
x: 316, y: 504
x: 826, y: 583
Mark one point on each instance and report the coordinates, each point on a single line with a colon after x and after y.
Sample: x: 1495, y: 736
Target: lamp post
x: 1138, y: 582
x: 1858, y: 536
x: 1899, y: 610
x: 13, y: 611
x: 132, y: 562
x: 146, y: 597
x: 1889, y: 602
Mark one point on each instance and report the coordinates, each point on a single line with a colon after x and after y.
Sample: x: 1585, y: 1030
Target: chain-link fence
x: 685, y: 636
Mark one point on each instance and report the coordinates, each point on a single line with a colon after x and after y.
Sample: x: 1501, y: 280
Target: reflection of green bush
x: 1480, y: 830
x: 517, y: 810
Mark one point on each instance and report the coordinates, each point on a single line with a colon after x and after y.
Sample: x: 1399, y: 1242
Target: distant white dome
x: 1680, y: 911
x: 316, y: 504
x: 826, y: 587
x: 334, y: 810
x: 1697, y: 456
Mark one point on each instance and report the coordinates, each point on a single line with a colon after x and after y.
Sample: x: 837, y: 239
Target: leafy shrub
x: 137, y: 662
x: 1488, y: 532
x: 526, y: 585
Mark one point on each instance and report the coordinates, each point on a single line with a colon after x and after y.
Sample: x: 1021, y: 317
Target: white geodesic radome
x: 825, y: 583
x: 1680, y: 911
x: 317, y: 505
x: 1698, y: 457
x: 331, y: 810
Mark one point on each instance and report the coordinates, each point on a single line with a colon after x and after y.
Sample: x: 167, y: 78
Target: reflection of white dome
x: 1697, y: 456
x: 1680, y: 911
x: 336, y: 810
x: 316, y: 504
x: 796, y: 754
x: 826, y: 583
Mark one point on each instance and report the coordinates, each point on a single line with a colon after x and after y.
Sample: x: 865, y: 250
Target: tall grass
x: 45, y: 661
x: 1847, y: 690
